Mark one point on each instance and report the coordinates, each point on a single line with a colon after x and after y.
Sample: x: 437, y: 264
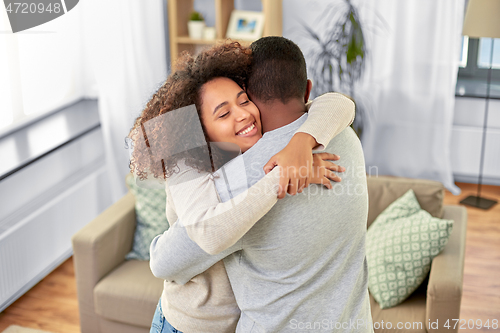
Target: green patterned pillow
x: 400, y: 245
x: 150, y: 210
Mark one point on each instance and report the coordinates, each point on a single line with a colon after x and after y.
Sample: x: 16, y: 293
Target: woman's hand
x: 296, y: 162
x: 323, y: 170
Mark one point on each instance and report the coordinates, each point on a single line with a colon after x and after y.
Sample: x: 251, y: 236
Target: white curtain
x: 126, y: 46
x: 415, y: 48
x: 409, y: 83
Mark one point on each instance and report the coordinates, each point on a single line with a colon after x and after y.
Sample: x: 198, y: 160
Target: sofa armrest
x: 444, y: 291
x: 98, y: 248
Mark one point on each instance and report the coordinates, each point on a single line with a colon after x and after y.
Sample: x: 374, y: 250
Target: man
x: 302, y: 266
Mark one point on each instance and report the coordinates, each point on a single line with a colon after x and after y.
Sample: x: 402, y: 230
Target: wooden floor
x: 52, y: 304
x: 481, y: 288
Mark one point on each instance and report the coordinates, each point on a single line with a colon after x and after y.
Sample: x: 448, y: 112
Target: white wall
x: 466, y: 140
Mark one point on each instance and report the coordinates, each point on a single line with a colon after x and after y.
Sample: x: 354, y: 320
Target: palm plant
x: 337, y: 60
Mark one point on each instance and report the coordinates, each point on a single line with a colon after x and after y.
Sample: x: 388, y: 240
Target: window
x: 40, y: 68
x: 484, y: 56
x: 463, y: 54
x: 475, y: 59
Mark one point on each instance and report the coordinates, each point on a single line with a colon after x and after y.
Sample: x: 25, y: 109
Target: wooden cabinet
x: 178, y: 16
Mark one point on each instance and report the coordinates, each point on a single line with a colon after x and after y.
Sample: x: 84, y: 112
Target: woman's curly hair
x: 183, y: 88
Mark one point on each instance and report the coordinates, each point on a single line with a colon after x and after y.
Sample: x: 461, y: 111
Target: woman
x: 213, y: 82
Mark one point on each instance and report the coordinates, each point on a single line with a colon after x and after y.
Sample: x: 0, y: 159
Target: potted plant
x: 338, y: 57
x: 196, y: 25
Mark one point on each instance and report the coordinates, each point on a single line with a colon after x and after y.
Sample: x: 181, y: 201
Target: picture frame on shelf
x: 245, y: 25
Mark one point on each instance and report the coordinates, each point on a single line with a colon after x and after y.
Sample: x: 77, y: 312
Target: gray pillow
x: 400, y: 245
x: 150, y: 210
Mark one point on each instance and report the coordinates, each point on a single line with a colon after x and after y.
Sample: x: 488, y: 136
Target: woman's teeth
x: 251, y: 127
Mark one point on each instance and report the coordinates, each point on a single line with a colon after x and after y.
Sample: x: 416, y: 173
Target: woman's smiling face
x: 228, y: 115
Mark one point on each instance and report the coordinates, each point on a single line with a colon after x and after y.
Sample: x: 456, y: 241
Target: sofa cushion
x: 400, y: 245
x: 150, y: 210
x: 129, y: 294
x: 384, y: 190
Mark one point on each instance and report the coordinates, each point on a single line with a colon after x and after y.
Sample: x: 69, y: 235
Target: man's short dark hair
x: 278, y: 70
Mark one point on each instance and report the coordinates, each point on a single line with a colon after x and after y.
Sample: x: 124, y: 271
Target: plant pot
x: 195, y: 29
x: 209, y: 33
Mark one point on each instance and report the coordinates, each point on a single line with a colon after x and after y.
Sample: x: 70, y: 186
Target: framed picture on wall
x: 245, y: 25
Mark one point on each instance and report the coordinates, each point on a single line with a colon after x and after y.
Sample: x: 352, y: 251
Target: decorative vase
x: 195, y: 29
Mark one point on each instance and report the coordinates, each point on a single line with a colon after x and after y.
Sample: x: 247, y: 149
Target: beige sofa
x: 120, y: 296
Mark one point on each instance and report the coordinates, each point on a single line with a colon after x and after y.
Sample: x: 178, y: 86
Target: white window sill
x: 25, y: 145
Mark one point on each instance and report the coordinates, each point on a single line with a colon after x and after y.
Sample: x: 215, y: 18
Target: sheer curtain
x: 409, y: 83
x: 126, y: 48
x: 41, y: 69
x: 411, y: 86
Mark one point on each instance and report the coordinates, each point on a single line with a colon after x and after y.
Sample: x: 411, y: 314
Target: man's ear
x: 308, y: 90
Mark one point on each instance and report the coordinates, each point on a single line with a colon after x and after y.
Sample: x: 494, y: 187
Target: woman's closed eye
x: 223, y: 115
x: 244, y: 101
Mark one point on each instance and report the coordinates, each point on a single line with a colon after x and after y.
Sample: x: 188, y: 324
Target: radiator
x: 36, y: 237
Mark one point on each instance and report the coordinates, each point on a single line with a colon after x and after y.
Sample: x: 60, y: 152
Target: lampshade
x: 482, y: 19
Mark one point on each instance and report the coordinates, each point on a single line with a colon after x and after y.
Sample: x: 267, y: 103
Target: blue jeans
x: 160, y: 324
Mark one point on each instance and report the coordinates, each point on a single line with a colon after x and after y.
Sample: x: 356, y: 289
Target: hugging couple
x: 241, y: 255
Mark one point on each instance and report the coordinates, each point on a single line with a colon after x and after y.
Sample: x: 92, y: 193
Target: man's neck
x: 276, y: 114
